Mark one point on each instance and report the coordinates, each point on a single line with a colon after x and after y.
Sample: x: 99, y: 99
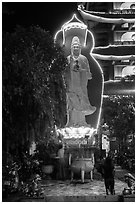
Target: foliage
x: 119, y: 115
x: 21, y: 175
x: 46, y: 148
x: 33, y: 91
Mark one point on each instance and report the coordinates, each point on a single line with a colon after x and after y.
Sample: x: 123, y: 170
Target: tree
x: 119, y: 115
x: 33, y: 90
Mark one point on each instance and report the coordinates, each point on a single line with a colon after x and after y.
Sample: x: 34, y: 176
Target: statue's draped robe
x: 78, y: 104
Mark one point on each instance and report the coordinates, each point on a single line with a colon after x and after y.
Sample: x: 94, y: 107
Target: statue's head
x: 75, y: 46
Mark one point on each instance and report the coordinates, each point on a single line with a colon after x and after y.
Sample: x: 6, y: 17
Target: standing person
x: 61, y: 169
x: 101, y: 170
x: 108, y: 174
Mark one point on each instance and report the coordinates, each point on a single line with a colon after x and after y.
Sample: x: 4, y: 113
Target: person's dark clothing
x: 61, y: 169
x: 108, y: 174
x: 61, y: 163
x: 109, y: 185
x: 108, y: 168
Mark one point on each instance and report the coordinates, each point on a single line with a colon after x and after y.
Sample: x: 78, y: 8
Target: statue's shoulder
x: 83, y: 58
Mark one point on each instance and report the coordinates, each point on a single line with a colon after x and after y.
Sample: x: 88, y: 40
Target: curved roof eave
x: 87, y: 16
x: 114, y: 49
x: 113, y: 57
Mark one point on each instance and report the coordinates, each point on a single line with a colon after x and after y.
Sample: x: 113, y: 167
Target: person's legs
x: 106, y: 181
x: 63, y: 171
x: 59, y: 171
x: 112, y: 191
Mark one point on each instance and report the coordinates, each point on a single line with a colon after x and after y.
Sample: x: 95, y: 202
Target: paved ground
x: 95, y: 187
x: 119, y: 173
x: 66, y: 191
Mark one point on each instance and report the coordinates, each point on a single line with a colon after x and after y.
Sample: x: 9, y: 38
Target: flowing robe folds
x: 78, y: 104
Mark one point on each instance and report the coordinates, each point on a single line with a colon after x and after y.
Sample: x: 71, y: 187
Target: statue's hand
x: 76, y: 68
x: 83, y: 70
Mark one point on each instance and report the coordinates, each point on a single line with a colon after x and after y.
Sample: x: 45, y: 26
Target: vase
x: 82, y: 165
x: 48, y: 169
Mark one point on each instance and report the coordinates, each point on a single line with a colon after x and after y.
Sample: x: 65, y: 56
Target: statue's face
x: 76, y: 49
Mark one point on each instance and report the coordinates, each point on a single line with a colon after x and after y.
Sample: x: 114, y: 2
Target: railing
x: 124, y: 42
x: 123, y: 11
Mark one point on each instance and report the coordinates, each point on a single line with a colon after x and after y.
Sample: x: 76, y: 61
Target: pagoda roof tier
x: 91, y: 17
x: 116, y: 13
x: 115, y: 49
x: 119, y: 87
x: 113, y: 57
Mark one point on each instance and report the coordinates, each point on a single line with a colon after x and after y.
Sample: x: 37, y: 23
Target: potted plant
x: 46, y: 151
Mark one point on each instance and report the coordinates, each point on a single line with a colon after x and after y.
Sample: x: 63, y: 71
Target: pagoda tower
x: 113, y: 27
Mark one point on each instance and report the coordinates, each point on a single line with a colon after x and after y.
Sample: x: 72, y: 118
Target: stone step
x: 109, y: 198
x: 89, y: 198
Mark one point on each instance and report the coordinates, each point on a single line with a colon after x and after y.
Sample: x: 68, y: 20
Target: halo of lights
x: 75, y: 23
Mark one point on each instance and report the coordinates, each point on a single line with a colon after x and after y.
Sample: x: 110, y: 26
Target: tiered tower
x: 113, y: 26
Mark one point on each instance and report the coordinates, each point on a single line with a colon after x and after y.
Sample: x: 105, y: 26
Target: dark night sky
x: 48, y: 15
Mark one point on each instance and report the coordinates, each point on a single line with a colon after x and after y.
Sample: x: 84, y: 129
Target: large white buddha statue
x: 77, y: 76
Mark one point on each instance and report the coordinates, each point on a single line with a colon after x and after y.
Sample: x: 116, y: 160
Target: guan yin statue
x: 77, y: 76
x: 84, y: 85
